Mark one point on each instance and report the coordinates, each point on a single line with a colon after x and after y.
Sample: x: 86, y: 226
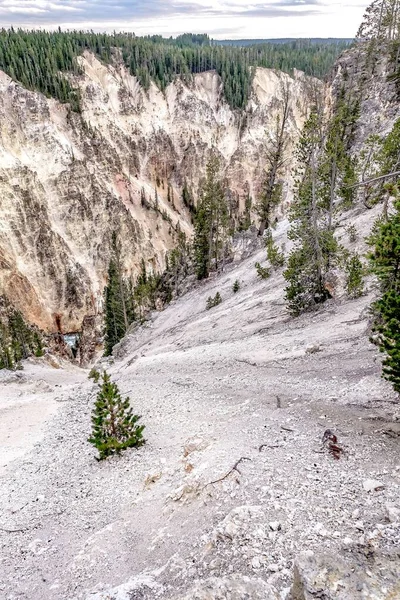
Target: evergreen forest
x: 43, y: 61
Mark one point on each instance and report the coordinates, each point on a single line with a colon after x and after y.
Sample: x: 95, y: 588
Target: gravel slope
x: 150, y: 523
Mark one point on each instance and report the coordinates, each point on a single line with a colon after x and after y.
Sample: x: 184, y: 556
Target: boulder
x: 349, y: 576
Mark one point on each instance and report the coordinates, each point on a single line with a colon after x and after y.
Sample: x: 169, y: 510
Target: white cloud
x: 219, y: 18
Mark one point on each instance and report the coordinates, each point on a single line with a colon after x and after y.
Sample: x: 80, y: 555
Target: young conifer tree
x: 236, y: 286
x: 114, y: 426
x: 274, y: 255
x: 354, y: 276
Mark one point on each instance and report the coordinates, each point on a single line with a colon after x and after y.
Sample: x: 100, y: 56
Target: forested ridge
x: 39, y: 60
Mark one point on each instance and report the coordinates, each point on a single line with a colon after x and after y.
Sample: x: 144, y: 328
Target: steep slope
x: 207, y: 383
x: 67, y: 181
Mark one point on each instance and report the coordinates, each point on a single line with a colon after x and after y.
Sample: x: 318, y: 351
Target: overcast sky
x: 219, y: 18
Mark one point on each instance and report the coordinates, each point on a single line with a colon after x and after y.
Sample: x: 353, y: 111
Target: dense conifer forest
x: 39, y: 59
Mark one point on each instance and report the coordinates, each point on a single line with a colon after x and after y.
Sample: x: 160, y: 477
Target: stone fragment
x: 373, y: 485
x: 195, y: 444
x: 392, y: 512
x: 152, y: 478
x: 313, y: 349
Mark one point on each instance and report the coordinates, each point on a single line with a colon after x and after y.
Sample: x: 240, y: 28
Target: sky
x: 221, y: 19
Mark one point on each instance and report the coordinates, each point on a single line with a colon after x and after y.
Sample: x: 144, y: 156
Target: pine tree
x: 262, y: 272
x: 271, y: 194
x: 114, y: 426
x: 381, y: 21
x: 211, y: 223
x: 354, y: 276
x: 275, y: 257
x: 213, y: 301
x: 236, y: 286
x: 187, y: 198
x: 18, y: 340
x: 6, y: 355
x: 201, y: 243
x: 114, y: 317
x: 311, y: 226
x: 118, y: 308
x: 385, y: 263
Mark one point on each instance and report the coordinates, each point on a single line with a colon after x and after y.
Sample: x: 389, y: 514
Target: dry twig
x: 234, y: 468
x: 267, y: 446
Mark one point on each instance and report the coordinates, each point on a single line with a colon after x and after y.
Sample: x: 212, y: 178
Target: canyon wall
x: 68, y: 180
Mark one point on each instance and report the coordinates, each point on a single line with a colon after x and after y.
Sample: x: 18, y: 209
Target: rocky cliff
x: 68, y: 180
x: 366, y: 75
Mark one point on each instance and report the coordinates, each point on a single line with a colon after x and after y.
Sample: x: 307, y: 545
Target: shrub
x: 262, y: 272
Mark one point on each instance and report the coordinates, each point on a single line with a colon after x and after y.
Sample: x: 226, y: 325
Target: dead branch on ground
x: 234, y: 468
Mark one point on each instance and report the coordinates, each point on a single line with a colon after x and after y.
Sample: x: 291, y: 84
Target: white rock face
x: 67, y: 181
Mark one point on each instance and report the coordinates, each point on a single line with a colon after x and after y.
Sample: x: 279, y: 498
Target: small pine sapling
x: 354, y: 276
x: 94, y: 374
x: 262, y: 272
x: 114, y: 425
x: 352, y: 233
x: 275, y: 257
x: 236, y: 286
x: 211, y: 302
x: 217, y: 299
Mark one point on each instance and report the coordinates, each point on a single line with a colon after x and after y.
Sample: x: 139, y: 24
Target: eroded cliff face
x: 364, y: 74
x: 67, y: 181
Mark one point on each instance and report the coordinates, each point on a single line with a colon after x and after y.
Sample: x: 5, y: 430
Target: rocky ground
x: 233, y: 495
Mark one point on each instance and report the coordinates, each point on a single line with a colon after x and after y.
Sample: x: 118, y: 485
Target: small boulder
x: 195, y: 444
